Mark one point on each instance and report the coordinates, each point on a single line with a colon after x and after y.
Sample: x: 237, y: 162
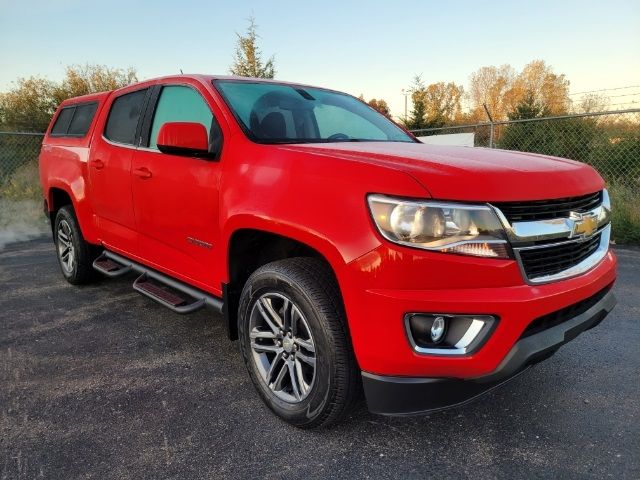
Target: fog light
x: 448, y: 334
x: 437, y: 329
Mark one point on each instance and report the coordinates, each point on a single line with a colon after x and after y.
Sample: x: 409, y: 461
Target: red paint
x: 185, y: 135
x: 144, y: 204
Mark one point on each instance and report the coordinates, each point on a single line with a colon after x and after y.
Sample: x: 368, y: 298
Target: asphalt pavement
x: 100, y: 382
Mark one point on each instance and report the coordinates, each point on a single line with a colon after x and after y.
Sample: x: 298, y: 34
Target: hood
x: 468, y: 173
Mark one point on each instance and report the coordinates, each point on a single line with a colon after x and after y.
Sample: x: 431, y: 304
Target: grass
x: 625, y: 213
x: 23, y: 184
x: 21, y: 216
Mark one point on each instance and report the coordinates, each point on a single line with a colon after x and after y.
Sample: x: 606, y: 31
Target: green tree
x: 435, y: 105
x: 527, y: 108
x: 248, y: 57
x: 615, y: 153
x: 568, y: 138
x: 416, y: 120
x: 28, y: 106
x: 84, y: 79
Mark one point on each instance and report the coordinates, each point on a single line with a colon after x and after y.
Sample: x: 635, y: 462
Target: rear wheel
x: 295, y: 344
x: 75, y: 255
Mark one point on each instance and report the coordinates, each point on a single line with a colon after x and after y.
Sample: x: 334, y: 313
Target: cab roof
x: 207, y: 79
x: 86, y: 98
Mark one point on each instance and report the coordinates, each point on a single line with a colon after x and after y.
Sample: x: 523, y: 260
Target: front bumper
x: 384, y: 285
x: 393, y: 395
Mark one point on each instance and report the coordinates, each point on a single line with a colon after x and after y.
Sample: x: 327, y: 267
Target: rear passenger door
x: 176, y: 197
x: 109, y: 169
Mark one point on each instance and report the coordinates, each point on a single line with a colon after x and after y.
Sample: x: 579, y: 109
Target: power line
x: 625, y: 103
x: 605, y: 90
x: 624, y: 95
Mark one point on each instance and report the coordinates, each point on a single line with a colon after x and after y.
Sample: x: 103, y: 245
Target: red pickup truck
x: 344, y: 254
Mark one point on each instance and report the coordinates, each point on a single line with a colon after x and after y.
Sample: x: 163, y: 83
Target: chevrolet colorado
x: 344, y: 255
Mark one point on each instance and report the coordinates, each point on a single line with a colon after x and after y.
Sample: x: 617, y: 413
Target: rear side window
x: 123, y: 117
x: 62, y: 122
x: 74, y: 120
x: 82, y: 118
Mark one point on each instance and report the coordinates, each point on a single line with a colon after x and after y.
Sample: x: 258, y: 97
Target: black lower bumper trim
x: 412, y: 396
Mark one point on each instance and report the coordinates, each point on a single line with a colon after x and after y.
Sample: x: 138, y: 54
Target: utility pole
x: 486, y: 109
x: 405, y: 93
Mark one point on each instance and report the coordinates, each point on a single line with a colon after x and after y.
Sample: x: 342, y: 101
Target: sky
x: 371, y: 47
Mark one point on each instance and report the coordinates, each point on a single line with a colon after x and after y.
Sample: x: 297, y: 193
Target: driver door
x: 176, y: 198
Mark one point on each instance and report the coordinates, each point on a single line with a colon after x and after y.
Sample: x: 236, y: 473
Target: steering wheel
x: 339, y: 136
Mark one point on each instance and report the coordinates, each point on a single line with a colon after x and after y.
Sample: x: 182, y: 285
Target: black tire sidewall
x: 82, y: 271
x: 312, y: 407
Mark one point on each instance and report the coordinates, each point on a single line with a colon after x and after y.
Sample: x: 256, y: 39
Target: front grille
x: 553, y: 319
x: 543, y: 261
x: 548, y: 209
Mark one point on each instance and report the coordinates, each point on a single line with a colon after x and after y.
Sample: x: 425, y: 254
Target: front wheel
x: 295, y: 343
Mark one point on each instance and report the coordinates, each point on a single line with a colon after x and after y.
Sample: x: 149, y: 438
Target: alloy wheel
x: 66, y: 250
x: 282, y: 346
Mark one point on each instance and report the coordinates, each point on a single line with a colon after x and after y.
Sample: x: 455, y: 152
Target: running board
x: 168, y: 292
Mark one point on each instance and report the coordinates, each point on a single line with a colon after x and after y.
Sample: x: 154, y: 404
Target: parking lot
x: 100, y: 382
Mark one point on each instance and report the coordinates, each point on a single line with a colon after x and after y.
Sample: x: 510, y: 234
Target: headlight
x: 445, y: 227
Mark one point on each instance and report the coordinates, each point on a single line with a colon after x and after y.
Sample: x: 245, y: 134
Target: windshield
x: 276, y: 113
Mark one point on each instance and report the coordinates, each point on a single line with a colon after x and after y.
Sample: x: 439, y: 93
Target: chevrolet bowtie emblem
x: 585, y: 226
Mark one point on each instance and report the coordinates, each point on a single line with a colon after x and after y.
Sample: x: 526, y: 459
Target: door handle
x: 97, y: 163
x: 142, y: 172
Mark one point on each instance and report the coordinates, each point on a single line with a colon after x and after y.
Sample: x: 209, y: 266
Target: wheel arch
x: 249, y: 248
x: 60, y: 195
x: 56, y: 198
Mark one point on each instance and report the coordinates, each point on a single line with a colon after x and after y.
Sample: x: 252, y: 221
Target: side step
x: 167, y: 291
x: 164, y: 296
x: 108, y: 267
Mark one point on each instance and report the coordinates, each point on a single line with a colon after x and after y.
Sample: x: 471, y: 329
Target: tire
x: 75, y: 255
x: 328, y: 386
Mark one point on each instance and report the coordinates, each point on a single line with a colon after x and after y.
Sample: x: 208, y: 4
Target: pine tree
x: 416, y: 120
x: 248, y: 58
x: 527, y: 108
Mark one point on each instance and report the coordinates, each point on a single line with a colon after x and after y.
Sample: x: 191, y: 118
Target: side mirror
x: 183, y: 138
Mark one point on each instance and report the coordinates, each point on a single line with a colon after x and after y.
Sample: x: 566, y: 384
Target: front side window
x: 278, y: 113
x: 178, y: 103
x: 123, y: 117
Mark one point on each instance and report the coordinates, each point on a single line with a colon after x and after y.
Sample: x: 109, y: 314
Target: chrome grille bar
x: 571, y: 244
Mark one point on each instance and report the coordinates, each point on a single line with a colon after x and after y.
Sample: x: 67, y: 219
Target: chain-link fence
x: 609, y: 141
x: 20, y: 195
x: 19, y: 158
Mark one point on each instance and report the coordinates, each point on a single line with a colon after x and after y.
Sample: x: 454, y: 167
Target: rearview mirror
x: 183, y: 138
